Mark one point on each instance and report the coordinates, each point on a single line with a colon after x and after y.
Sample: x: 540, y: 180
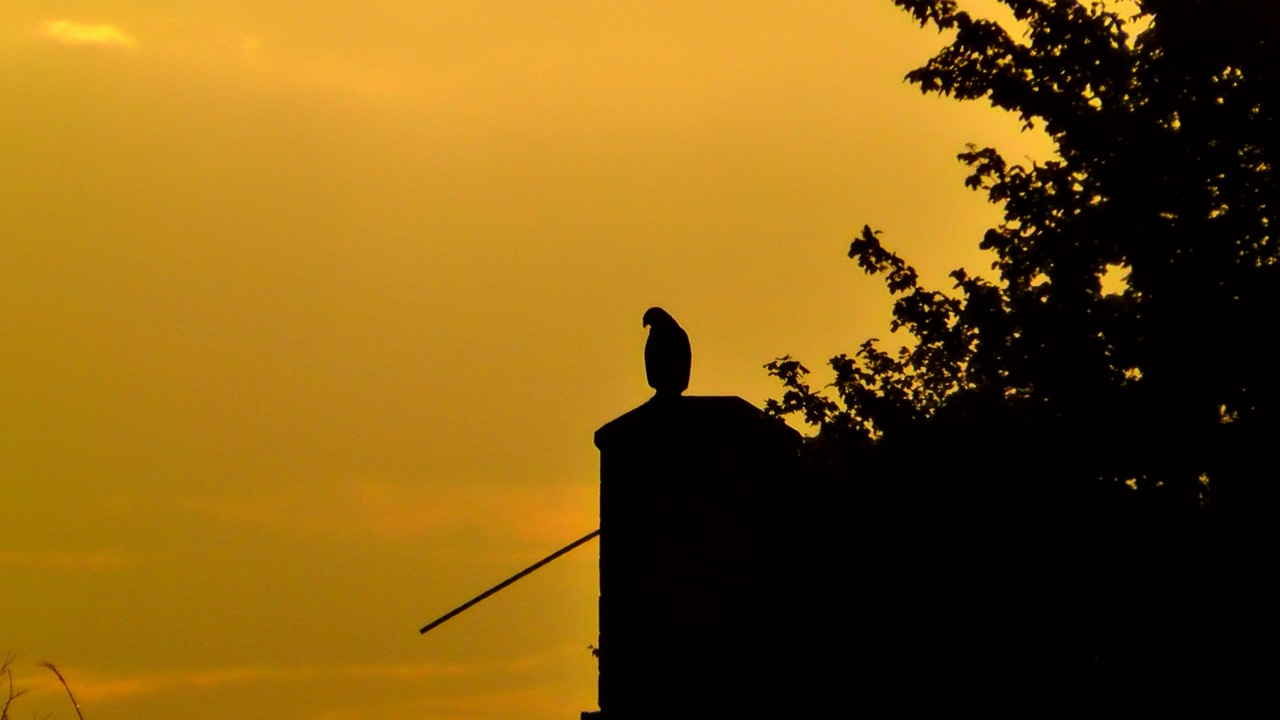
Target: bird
x: 667, y: 355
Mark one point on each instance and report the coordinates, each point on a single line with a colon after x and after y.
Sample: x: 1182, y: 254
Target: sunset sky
x: 309, y: 312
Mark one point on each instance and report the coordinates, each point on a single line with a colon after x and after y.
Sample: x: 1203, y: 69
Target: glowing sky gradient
x: 309, y: 312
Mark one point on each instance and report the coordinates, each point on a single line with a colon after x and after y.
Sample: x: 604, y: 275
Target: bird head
x: 657, y: 316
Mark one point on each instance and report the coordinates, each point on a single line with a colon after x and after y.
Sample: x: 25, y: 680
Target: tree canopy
x: 1135, y: 272
x: 1033, y: 484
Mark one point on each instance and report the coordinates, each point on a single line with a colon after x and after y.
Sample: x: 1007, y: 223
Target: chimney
x: 694, y: 498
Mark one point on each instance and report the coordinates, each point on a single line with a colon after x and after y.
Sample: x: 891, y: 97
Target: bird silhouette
x: 667, y: 355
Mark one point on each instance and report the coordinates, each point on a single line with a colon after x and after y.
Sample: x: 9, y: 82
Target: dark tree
x: 1080, y: 424
x: 1164, y: 178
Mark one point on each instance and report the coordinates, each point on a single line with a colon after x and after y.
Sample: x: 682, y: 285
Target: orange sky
x: 310, y: 310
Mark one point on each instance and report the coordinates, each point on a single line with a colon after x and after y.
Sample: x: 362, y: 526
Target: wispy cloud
x: 68, y: 560
x: 90, y: 686
x: 94, y: 686
x: 69, y: 32
x: 541, y: 515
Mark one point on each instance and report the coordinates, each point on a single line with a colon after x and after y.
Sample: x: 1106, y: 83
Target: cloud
x: 68, y: 560
x: 93, y: 687
x: 98, y: 687
x: 356, y: 509
x: 541, y: 515
x: 69, y: 32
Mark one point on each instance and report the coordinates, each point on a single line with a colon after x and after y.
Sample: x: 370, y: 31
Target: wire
x: 447, y: 616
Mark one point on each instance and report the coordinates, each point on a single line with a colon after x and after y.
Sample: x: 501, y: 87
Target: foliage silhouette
x: 1044, y: 469
x: 6, y: 672
x: 12, y: 693
x: 1165, y: 175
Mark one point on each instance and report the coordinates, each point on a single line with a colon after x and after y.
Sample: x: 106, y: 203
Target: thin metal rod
x: 508, y: 581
